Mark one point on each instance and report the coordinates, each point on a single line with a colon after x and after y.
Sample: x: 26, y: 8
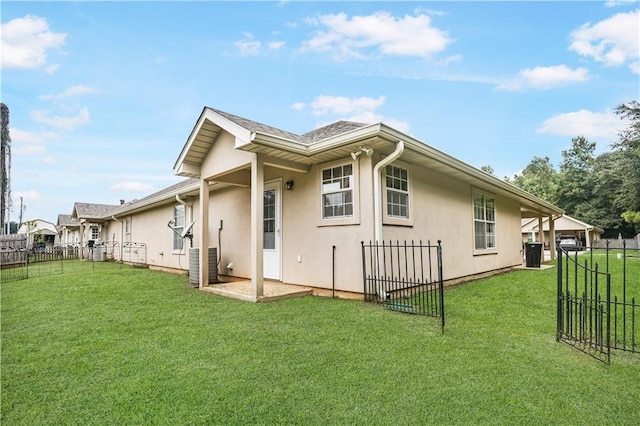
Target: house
x: 42, y: 234
x: 295, y: 208
x: 93, y: 220
x: 68, y: 229
x: 563, y: 225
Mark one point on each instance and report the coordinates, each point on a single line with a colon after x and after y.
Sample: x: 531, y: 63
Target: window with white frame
x: 337, y: 192
x: 95, y: 232
x: 127, y: 230
x: 397, y: 182
x: 178, y: 225
x: 484, y: 217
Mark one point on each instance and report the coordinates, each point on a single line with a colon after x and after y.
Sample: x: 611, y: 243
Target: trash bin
x: 533, y: 254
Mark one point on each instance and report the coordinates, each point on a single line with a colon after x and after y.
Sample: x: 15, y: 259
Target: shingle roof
x: 67, y: 220
x: 92, y: 211
x: 167, y: 190
x: 308, y: 138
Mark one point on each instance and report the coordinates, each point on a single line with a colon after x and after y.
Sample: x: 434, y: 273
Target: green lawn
x: 133, y: 346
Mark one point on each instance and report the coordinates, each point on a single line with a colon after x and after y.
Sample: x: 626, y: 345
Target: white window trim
x: 174, y: 236
x: 493, y: 250
x: 393, y: 220
x: 352, y: 220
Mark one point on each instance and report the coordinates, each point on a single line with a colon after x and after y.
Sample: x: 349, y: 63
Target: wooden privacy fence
x: 13, y: 250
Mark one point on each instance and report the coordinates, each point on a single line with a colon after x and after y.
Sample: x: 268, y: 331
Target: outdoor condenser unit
x: 194, y: 266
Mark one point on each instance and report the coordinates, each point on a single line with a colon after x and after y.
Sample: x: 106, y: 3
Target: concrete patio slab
x: 243, y: 290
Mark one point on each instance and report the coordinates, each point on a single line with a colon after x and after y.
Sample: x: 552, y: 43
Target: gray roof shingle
x: 308, y: 138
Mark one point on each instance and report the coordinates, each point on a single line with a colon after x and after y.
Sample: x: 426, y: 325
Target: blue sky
x: 103, y: 95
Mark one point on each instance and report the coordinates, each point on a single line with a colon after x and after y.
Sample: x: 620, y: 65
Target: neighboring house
x: 42, y: 234
x: 563, y: 225
x: 93, y: 220
x: 68, y: 229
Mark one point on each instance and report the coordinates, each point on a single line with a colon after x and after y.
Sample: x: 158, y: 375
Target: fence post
x: 559, y: 319
x: 441, y: 285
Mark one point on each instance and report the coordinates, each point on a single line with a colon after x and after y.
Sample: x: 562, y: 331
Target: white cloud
x: 25, y: 42
x: 20, y: 136
x: 583, y: 123
x: 449, y: 60
x: 275, y: 45
x: 30, y: 150
x: 613, y: 41
x: 325, y: 104
x: 615, y: 3
x: 26, y: 195
x: 248, y: 46
x: 544, y: 78
x: 298, y: 106
x: 360, y: 110
x: 358, y: 36
x: 60, y: 122
x: 132, y: 186
x: 79, y: 89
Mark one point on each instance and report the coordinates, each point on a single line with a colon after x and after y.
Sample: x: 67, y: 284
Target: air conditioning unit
x: 194, y: 266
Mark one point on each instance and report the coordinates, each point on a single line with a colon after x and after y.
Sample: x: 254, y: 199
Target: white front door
x: 272, y: 235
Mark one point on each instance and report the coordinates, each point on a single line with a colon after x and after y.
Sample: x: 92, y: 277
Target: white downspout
x: 121, y: 234
x: 377, y: 208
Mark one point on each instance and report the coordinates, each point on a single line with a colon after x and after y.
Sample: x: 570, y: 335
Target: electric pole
x: 5, y: 169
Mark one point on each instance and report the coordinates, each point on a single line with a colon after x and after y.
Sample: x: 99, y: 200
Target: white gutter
x: 377, y: 208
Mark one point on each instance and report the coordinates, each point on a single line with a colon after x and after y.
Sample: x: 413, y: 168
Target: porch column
x: 587, y: 237
x: 552, y: 237
x: 257, y: 226
x: 540, y: 230
x: 204, y: 234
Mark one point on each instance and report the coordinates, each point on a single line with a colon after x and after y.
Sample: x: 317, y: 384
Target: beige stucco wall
x: 441, y: 210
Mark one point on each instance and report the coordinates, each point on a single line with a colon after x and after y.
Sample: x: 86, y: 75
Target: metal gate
x: 600, y: 296
x: 584, y: 306
x: 404, y: 277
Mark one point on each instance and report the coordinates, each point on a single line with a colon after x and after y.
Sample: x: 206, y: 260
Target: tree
x: 629, y: 137
x: 539, y: 178
x: 488, y: 169
x: 628, y: 147
x: 576, y: 178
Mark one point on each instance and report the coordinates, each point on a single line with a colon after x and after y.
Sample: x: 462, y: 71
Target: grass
x: 133, y: 346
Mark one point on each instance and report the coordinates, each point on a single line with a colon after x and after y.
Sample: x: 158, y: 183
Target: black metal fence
x: 22, y: 263
x: 598, y: 293
x: 404, y: 277
x: 583, y: 319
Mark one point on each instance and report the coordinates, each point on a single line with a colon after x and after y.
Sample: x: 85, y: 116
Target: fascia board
x: 241, y: 134
x: 475, y: 173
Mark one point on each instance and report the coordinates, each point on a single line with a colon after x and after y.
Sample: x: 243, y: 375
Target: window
x: 269, y: 219
x: 127, y: 230
x: 397, y: 192
x: 337, y: 192
x: 484, y: 216
x: 95, y: 233
x: 178, y: 225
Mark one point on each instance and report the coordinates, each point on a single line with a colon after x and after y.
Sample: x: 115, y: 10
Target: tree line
x: 602, y: 190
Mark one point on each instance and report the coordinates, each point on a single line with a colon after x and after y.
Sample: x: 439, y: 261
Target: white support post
x: 552, y: 237
x: 257, y: 226
x: 204, y: 234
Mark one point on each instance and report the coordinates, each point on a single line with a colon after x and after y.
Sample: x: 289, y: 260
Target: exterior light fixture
x: 366, y: 149
x: 289, y: 185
